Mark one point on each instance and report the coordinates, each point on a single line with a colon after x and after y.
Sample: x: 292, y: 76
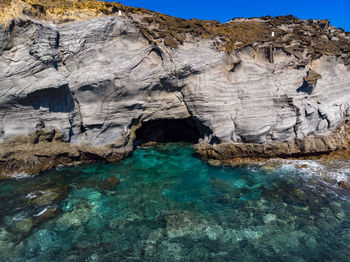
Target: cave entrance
x: 171, y: 130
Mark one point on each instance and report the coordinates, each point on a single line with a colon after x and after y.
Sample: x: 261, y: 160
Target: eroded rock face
x: 309, y: 146
x: 46, y: 149
x: 96, y: 81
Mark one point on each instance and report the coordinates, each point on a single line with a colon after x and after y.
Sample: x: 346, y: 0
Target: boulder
x: 344, y: 185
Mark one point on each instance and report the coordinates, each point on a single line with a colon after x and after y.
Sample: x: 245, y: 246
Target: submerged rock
x: 27, y: 224
x: 24, y: 225
x: 49, y: 196
x: 46, y: 214
x: 279, y: 214
x: 192, y: 225
x: 6, y: 243
x: 110, y: 183
x: 269, y: 218
x: 74, y: 218
x: 184, y: 223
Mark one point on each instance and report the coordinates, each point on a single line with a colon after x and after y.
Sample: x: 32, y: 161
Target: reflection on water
x: 165, y: 204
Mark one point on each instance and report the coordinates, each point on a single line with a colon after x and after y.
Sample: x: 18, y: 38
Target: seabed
x: 165, y: 204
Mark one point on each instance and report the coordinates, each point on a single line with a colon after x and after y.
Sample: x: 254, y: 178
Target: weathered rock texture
x: 328, y: 147
x: 47, y: 149
x: 80, y: 69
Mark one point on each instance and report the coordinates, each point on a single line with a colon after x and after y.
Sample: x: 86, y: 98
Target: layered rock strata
x: 327, y: 147
x: 46, y: 149
x: 81, y: 70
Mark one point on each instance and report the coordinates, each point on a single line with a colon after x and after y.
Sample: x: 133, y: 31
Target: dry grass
x: 174, y: 31
x: 237, y: 34
x: 61, y: 10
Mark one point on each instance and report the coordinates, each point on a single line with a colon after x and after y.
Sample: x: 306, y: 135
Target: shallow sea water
x: 172, y: 206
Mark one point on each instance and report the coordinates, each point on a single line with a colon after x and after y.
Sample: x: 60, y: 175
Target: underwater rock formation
x: 81, y: 70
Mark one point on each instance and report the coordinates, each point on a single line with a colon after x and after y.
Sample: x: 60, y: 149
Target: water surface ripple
x: 172, y: 206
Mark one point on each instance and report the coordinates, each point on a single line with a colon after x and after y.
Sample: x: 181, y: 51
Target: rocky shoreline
x: 47, y: 149
x: 333, y: 146
x: 81, y: 82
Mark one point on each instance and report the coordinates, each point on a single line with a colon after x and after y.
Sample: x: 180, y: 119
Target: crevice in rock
x: 298, y: 114
x: 57, y: 39
x: 157, y: 51
x: 286, y: 101
x: 82, y: 127
x: 235, y: 65
x: 207, y: 133
x: 269, y: 53
x: 323, y: 116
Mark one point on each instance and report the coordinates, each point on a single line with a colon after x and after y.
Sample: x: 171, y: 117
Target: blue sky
x: 337, y: 11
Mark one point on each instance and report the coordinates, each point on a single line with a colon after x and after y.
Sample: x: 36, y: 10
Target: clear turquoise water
x: 172, y: 206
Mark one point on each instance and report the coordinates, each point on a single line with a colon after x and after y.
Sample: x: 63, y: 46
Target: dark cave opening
x: 171, y: 130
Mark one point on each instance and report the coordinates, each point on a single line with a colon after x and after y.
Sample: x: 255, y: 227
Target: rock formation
x: 77, y: 80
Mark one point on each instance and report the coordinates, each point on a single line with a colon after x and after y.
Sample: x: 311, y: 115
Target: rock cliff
x: 81, y: 81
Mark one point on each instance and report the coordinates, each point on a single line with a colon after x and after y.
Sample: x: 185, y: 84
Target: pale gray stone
x: 93, y: 79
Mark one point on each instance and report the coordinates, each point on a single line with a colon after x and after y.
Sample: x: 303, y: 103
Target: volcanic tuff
x: 77, y: 80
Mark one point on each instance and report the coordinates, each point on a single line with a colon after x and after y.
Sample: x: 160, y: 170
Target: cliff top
x: 291, y: 34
